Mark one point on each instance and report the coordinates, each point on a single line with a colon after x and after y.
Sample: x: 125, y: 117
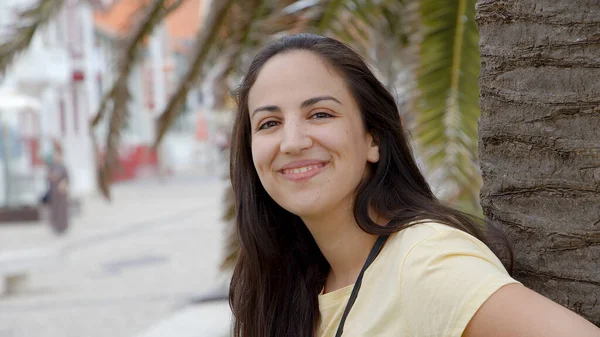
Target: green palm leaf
x: 446, y: 127
x: 330, y: 10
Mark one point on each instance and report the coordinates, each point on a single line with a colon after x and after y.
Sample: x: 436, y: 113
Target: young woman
x: 340, y: 232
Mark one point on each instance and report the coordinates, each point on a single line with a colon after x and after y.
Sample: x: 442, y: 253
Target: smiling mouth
x: 303, y: 173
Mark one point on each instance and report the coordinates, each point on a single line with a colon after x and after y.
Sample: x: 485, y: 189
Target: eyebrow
x: 307, y: 103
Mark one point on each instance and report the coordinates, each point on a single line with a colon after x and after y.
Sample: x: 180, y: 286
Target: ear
x: 373, y: 150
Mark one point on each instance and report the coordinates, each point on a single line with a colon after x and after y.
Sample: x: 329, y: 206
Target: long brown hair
x: 280, y: 272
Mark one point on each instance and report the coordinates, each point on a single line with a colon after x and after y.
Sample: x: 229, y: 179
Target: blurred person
x: 165, y: 161
x: 58, y: 194
x: 223, y: 144
x: 340, y: 232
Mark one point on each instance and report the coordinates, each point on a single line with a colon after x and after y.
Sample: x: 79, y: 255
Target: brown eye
x: 268, y: 125
x: 320, y: 115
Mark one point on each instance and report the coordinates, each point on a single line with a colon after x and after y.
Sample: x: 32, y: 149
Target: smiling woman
x: 339, y: 231
x: 310, y: 148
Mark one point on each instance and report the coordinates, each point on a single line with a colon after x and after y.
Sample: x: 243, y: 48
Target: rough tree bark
x: 539, y: 142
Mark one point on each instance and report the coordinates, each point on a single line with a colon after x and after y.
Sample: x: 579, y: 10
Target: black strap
x: 374, y: 252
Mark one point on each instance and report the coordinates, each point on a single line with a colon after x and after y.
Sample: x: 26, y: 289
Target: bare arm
x: 516, y: 311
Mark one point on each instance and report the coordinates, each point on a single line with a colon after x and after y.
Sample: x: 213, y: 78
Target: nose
x: 295, y: 138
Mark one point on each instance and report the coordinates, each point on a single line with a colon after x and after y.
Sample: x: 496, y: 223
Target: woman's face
x: 309, y: 145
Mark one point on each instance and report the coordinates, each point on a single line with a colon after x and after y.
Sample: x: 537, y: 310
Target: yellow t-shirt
x: 428, y: 281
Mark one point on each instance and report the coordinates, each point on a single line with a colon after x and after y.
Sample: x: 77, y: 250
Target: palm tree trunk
x: 540, y: 142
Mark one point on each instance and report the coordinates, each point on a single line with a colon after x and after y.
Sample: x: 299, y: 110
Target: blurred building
x: 165, y: 57
x: 148, y: 84
x: 53, y: 90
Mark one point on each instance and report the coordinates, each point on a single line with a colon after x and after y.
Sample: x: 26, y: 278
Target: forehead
x: 293, y: 77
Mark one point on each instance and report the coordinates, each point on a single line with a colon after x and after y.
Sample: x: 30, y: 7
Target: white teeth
x: 302, y: 169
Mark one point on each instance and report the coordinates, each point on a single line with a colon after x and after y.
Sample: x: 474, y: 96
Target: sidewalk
x: 133, y: 204
x: 127, y: 264
x: 212, y: 319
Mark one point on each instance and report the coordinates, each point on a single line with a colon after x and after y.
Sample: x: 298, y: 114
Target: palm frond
x: 330, y: 9
x: 446, y: 129
x: 283, y: 18
x: 206, y: 38
x: 118, y: 95
x: 240, y: 38
x: 316, y: 16
x: 232, y: 242
x: 117, y: 120
x: 394, y: 53
x: 148, y: 20
x: 26, y: 23
x: 351, y: 21
x: 169, y: 8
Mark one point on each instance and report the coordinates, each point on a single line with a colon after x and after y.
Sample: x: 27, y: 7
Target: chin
x: 304, y: 209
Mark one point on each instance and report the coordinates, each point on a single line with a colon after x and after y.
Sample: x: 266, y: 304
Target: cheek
x: 336, y: 138
x: 256, y: 157
x: 345, y: 140
x: 261, y: 155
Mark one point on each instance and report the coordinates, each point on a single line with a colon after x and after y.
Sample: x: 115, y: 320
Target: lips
x: 302, y: 170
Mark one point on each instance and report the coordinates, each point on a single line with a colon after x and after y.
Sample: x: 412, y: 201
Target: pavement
x: 127, y: 268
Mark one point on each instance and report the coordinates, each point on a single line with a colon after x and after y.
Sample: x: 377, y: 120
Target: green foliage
x: 448, y: 104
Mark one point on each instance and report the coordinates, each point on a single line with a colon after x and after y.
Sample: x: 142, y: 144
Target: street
x: 124, y: 266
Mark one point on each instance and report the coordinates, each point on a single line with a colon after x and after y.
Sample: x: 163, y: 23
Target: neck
x: 344, y: 245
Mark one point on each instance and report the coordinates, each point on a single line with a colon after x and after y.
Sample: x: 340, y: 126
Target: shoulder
x: 432, y: 244
x: 435, y: 237
x: 428, y: 229
x: 445, y: 274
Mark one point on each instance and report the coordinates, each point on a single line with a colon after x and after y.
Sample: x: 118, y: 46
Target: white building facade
x: 58, y: 72
x: 52, y: 91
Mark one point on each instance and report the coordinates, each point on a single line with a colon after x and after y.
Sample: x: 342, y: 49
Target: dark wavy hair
x: 280, y: 271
